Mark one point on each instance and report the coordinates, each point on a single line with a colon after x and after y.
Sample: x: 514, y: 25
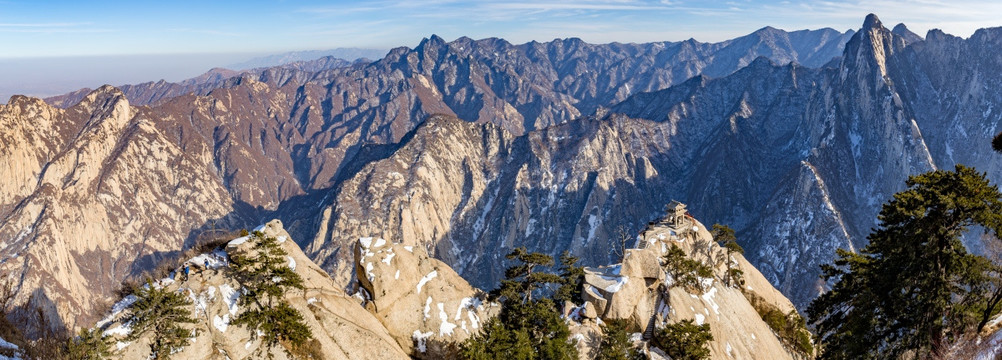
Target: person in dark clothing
x: 187, y: 269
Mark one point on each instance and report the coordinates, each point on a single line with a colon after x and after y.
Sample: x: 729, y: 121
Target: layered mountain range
x: 472, y: 147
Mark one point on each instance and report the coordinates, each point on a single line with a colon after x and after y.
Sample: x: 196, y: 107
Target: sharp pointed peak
x: 432, y: 40
x: 871, y: 21
x: 902, y: 31
x: 767, y: 29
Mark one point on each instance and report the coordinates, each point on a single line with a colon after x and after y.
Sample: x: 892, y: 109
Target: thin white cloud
x: 206, y: 32
x: 54, y: 30
x: 37, y: 25
x: 51, y: 28
x: 577, y: 6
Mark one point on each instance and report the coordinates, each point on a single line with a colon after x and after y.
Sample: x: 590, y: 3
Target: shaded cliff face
x: 471, y: 192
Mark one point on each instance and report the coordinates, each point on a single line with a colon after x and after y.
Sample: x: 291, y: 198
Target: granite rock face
x: 637, y: 290
x: 92, y: 194
x: 421, y: 301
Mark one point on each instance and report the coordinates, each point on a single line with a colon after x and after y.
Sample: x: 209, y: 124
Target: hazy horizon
x: 49, y: 76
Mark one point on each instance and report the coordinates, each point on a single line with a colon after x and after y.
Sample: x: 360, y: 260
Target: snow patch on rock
x: 445, y: 329
x: 425, y: 279
x: 421, y: 339
x: 221, y: 323
x: 230, y: 296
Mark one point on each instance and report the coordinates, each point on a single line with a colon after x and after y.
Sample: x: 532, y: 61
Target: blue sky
x: 52, y: 47
x: 75, y: 28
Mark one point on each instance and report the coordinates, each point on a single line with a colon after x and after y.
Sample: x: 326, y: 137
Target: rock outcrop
x: 635, y: 290
x: 422, y: 302
x: 342, y: 328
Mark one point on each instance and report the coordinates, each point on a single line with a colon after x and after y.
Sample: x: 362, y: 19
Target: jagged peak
x: 22, y: 101
x: 902, y: 31
x: 462, y: 40
x: 106, y: 89
x: 572, y: 40
x: 105, y: 93
x: 691, y: 41
x: 936, y: 34
x: 872, y: 22
x: 987, y: 33
x: 433, y: 40
x: 768, y: 30
x: 761, y: 61
x: 873, y: 41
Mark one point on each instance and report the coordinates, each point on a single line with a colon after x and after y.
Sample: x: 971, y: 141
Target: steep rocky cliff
x: 636, y: 290
x: 471, y: 192
x: 421, y: 301
x: 94, y: 193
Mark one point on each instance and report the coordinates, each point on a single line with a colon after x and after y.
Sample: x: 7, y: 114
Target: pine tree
x: 572, y: 280
x: 266, y: 277
x: 616, y: 344
x: 526, y: 328
x: 684, y: 340
x: 683, y: 271
x: 915, y: 288
x: 498, y: 341
x: 724, y: 236
x: 90, y: 344
x: 161, y: 312
x: 521, y: 280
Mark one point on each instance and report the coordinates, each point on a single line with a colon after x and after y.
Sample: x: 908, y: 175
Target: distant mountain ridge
x: 349, y: 54
x: 677, y: 60
x: 149, y: 93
